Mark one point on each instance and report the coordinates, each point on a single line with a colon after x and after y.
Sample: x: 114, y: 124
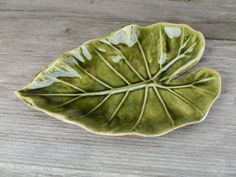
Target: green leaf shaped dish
x: 128, y: 82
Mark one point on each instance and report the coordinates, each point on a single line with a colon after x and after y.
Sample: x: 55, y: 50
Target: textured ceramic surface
x: 128, y: 82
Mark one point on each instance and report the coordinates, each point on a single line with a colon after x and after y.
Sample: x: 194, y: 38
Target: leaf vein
x: 186, y: 101
x: 145, y: 59
x: 161, y: 48
x: 112, y: 68
x: 67, y: 102
x: 127, y: 62
x: 93, y: 77
x: 143, y: 108
x: 164, y: 106
x: 97, y: 106
x: 69, y: 84
x: 118, y: 107
x: 178, y: 57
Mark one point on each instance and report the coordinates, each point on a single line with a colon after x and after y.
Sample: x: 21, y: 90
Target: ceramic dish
x: 128, y: 82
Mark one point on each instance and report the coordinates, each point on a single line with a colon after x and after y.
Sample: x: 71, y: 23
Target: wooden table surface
x: 33, y: 33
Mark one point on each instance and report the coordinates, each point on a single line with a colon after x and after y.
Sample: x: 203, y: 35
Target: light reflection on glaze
x: 127, y: 35
x: 86, y: 53
x: 67, y: 70
x: 172, y: 31
x: 116, y: 59
x: 40, y: 84
x: 50, y: 75
x: 73, y: 61
x: 77, y: 55
x: 101, y: 49
x: 104, y: 41
x: 163, y: 58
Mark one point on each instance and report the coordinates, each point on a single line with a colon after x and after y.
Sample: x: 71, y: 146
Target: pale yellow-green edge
x: 62, y: 118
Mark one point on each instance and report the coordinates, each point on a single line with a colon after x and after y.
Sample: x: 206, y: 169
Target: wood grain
x: 33, y: 33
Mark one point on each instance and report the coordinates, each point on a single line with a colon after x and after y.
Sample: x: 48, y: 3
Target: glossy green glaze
x: 128, y: 82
